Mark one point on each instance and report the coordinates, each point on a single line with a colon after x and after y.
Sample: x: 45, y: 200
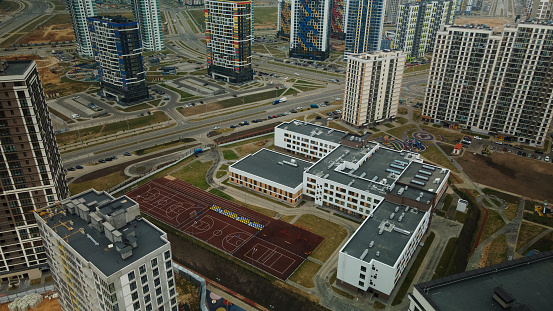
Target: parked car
x: 79, y: 167
x: 477, y: 137
x: 127, y: 154
x: 101, y: 161
x: 71, y: 169
x: 499, y: 142
x: 519, y: 152
x: 546, y: 159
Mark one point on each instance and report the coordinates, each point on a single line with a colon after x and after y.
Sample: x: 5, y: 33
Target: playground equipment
x: 543, y: 209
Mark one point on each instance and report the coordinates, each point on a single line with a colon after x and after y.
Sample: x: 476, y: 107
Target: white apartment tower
x: 417, y: 24
x: 104, y: 256
x: 541, y: 9
x: 79, y: 11
x: 373, y: 82
x: 147, y: 15
x: 493, y: 82
x: 310, y: 29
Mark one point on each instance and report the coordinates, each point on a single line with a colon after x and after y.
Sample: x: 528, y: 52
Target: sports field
x: 273, y: 246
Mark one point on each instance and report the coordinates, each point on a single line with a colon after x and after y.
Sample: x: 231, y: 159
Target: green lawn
x: 198, y: 16
x: 334, y: 235
x: 230, y: 155
x: 398, y: 131
x: 305, y: 273
x: 194, y: 173
x: 434, y: 154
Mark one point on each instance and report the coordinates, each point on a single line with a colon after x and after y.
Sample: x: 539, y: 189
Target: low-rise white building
x: 306, y: 139
x: 356, y: 180
x: 377, y: 253
x: 104, y: 256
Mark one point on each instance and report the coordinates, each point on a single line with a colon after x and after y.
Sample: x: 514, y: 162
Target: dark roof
x: 16, y: 67
x: 527, y: 281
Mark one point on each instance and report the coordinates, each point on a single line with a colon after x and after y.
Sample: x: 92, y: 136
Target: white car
x: 477, y: 137
x: 216, y: 128
x: 499, y: 142
x: 546, y: 159
x: 75, y: 97
x: 297, y: 74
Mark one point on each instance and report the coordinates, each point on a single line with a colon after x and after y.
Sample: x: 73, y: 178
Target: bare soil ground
x: 526, y: 177
x: 45, y: 305
x: 53, y: 33
x: 234, y: 277
x: 488, y: 21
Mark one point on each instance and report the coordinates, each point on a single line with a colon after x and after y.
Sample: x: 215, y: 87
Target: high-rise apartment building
x: 493, y: 82
x: 541, y: 9
x: 229, y: 36
x: 79, y: 11
x: 31, y: 172
x: 373, y: 82
x: 337, y: 21
x: 392, y: 7
x: 105, y: 256
x: 464, y: 7
x: 418, y: 23
x: 118, y: 52
x: 364, y: 23
x: 147, y: 15
x: 284, y: 19
x: 310, y: 30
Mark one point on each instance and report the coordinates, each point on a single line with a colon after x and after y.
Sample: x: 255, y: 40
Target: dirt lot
x: 45, y: 305
x: 236, y: 278
x: 488, y: 21
x: 512, y: 173
x: 54, y: 33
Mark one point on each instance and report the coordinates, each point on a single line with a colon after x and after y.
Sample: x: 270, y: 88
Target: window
x: 142, y: 269
x: 172, y: 292
x: 160, y: 300
x: 154, y: 262
x: 158, y: 291
x: 156, y: 272
x: 167, y: 255
x: 171, y: 283
x: 131, y: 275
x: 362, y: 276
x: 144, y: 279
x: 156, y: 282
x: 364, y: 269
x: 134, y: 296
x: 147, y: 298
x: 361, y: 283
x: 133, y: 286
x: 145, y: 289
x: 136, y: 305
x: 169, y: 274
x: 168, y: 264
x: 149, y: 308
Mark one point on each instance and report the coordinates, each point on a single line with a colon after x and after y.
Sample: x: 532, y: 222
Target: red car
x: 275, y: 116
x: 504, y: 149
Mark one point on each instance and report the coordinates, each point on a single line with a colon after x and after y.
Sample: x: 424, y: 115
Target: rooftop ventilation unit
x: 428, y: 167
x: 402, y: 231
x: 363, y: 175
x: 325, y: 176
x: 351, y: 182
x: 365, y: 252
x: 392, y: 216
x: 443, y: 171
x: 381, y: 230
x: 384, y: 181
x: 416, y: 182
x: 421, y: 194
x: 397, y: 166
x: 437, y: 180
x: 290, y: 163
x: 397, y: 209
x: 421, y: 177
x: 400, y: 218
x: 330, y: 131
x: 401, y: 162
x: 406, y: 209
x: 280, y: 163
x: 389, y: 170
x: 400, y: 191
x: 371, y: 244
x: 425, y: 172
x: 375, y: 178
x: 377, y: 254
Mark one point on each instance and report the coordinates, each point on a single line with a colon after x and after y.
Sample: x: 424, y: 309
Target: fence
x: 12, y: 297
x: 156, y: 169
x: 225, y: 140
x: 196, y: 280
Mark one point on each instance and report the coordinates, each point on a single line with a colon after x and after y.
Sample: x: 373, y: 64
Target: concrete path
x: 524, y: 248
